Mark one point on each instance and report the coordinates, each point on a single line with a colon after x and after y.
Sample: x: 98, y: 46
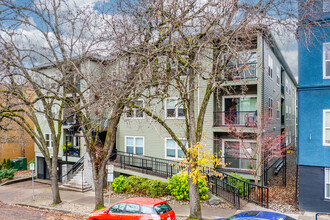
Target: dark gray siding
x: 311, y: 189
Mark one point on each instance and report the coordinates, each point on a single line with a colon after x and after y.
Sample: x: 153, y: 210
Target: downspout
x: 262, y: 95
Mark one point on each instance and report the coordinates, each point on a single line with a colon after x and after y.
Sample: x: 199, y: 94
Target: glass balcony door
x: 240, y: 110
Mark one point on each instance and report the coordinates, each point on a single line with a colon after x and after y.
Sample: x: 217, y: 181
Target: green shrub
x: 7, y: 173
x: 179, y: 188
x: 133, y: 184
x: 139, y: 185
x: 155, y: 188
x: 239, y: 184
x: 8, y: 164
x: 118, y: 184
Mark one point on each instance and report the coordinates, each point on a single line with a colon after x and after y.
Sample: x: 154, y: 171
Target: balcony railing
x: 235, y: 73
x: 237, y: 118
x: 72, y: 151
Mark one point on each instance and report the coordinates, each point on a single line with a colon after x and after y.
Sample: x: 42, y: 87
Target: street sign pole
x: 110, y: 178
x: 32, y: 169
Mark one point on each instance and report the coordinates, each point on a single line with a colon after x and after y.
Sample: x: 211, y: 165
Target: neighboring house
x: 15, y: 141
x: 314, y: 114
x: 271, y: 89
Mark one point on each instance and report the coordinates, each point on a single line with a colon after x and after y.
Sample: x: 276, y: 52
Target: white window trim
x: 50, y: 140
x: 176, y: 109
x: 223, y: 152
x: 134, y: 147
x: 278, y: 74
x: 278, y: 110
x: 134, y: 112
x: 286, y: 86
x: 325, y: 181
x: 271, y: 108
x: 324, y: 112
x: 176, y: 152
x: 324, y: 66
x: 271, y: 66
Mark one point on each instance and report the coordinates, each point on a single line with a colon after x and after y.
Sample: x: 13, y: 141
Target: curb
x: 16, y: 181
x: 54, y: 209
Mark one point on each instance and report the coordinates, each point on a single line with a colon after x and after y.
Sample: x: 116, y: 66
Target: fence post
x: 267, y: 197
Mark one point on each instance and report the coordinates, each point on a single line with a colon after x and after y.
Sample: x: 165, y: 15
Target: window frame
x: 270, y: 66
x: 177, y: 147
x: 176, y: 109
x: 325, y: 128
x: 270, y: 107
x: 239, y: 141
x: 324, y: 60
x: 50, y: 140
x: 278, y: 76
x: 134, y: 110
x: 326, y: 171
x: 134, y: 144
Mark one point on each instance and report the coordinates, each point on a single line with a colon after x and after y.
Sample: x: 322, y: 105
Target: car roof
x: 261, y: 215
x: 150, y: 202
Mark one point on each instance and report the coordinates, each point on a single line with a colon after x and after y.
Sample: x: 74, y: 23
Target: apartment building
x: 269, y: 88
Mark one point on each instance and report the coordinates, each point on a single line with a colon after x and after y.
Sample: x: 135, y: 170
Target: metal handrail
x: 75, y: 167
x: 165, y: 168
x: 235, y: 118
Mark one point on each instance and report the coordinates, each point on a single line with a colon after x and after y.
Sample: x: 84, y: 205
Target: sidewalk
x: 83, y: 203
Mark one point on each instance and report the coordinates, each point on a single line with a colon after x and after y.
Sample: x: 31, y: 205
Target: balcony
x: 236, y: 118
x: 240, y: 72
x: 72, y: 151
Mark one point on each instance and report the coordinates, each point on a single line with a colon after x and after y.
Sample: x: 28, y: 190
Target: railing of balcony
x: 246, y: 71
x: 237, y: 118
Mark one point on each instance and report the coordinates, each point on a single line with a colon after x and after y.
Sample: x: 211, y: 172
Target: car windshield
x: 162, y: 208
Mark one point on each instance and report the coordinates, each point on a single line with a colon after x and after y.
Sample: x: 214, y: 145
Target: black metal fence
x: 219, y: 186
x: 237, y: 118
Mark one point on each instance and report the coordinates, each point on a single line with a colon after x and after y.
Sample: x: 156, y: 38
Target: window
x: 326, y: 6
x: 132, y: 208
x: 286, y: 86
x: 326, y: 61
x: 118, y: 208
x: 146, y: 210
x: 278, y: 110
x: 289, y: 112
x: 134, y: 112
x: 163, y: 208
x: 173, y: 150
x: 135, y: 145
x: 270, y: 66
x: 326, y: 127
x: 327, y: 183
x: 174, y: 108
x: 49, y: 140
x: 289, y: 137
x: 238, y: 154
x: 270, y: 107
x: 278, y: 76
x: 286, y: 112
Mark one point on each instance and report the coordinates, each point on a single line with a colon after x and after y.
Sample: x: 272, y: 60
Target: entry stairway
x: 74, y: 179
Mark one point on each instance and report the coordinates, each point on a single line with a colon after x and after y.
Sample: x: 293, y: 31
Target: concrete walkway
x: 83, y: 203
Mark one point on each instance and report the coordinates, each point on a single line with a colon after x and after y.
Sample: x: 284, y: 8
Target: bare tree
x: 40, y: 42
x: 193, y: 43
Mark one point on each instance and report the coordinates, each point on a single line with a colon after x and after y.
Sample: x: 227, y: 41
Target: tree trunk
x: 99, y: 199
x: 55, y: 189
x: 52, y: 167
x: 195, y: 205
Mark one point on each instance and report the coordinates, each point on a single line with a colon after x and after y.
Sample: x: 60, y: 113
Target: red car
x: 136, y: 208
